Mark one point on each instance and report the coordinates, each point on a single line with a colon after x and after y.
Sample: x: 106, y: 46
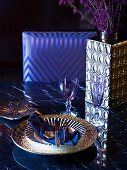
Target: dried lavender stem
x: 74, y: 7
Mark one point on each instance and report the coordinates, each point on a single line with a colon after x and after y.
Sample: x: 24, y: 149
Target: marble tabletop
x: 108, y: 152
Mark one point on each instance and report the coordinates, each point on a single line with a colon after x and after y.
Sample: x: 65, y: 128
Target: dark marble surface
x: 109, y: 152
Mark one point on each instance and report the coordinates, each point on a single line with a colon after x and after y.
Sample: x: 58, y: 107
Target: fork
x: 57, y: 128
x: 64, y: 127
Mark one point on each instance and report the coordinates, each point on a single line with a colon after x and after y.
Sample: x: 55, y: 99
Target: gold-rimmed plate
x: 87, y: 131
x: 5, y: 113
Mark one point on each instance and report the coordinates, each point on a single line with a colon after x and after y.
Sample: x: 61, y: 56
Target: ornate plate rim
x: 19, y: 138
x: 32, y: 110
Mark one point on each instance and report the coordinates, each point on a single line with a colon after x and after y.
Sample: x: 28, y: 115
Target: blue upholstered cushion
x: 51, y: 56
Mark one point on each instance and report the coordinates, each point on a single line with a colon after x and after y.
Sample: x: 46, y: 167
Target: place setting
x: 56, y: 134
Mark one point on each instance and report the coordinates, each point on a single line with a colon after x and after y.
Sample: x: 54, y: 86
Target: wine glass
x: 69, y: 89
x: 97, y: 92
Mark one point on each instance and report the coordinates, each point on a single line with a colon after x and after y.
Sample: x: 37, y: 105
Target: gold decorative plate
x: 5, y: 113
x: 87, y: 131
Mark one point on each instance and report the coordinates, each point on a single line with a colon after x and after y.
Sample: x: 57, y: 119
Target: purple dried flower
x: 75, y: 10
x: 103, y: 14
x: 65, y: 2
x: 123, y: 2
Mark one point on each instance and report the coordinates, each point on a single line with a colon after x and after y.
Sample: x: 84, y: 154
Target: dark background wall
x: 17, y: 16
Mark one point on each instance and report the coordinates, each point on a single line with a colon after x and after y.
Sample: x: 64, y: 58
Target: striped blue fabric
x: 51, y: 56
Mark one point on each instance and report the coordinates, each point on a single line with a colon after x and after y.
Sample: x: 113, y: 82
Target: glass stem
x: 68, y: 106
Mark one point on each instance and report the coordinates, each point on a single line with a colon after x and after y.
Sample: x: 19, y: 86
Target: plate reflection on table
x: 74, y: 161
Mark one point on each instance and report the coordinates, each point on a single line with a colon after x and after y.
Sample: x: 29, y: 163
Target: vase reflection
x: 101, y: 142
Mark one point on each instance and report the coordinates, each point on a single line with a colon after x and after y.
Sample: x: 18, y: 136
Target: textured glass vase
x: 107, y: 59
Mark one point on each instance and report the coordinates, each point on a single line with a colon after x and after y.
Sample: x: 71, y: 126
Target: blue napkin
x: 39, y: 126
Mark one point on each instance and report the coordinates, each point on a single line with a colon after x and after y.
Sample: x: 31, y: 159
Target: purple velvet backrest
x: 51, y: 56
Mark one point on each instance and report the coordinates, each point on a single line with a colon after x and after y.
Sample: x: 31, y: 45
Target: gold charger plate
x: 5, y: 113
x: 87, y: 131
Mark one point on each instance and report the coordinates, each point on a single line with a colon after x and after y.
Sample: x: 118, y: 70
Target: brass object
x: 87, y: 131
x: 118, y: 90
x: 7, y: 114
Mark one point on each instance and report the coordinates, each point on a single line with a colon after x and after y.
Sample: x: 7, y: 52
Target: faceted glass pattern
x: 110, y: 62
x: 98, y: 58
x: 101, y: 142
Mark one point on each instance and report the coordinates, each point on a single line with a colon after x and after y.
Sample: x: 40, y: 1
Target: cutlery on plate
x: 64, y: 127
x: 57, y: 128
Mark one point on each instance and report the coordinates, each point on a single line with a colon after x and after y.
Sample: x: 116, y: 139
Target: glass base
x: 72, y: 113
